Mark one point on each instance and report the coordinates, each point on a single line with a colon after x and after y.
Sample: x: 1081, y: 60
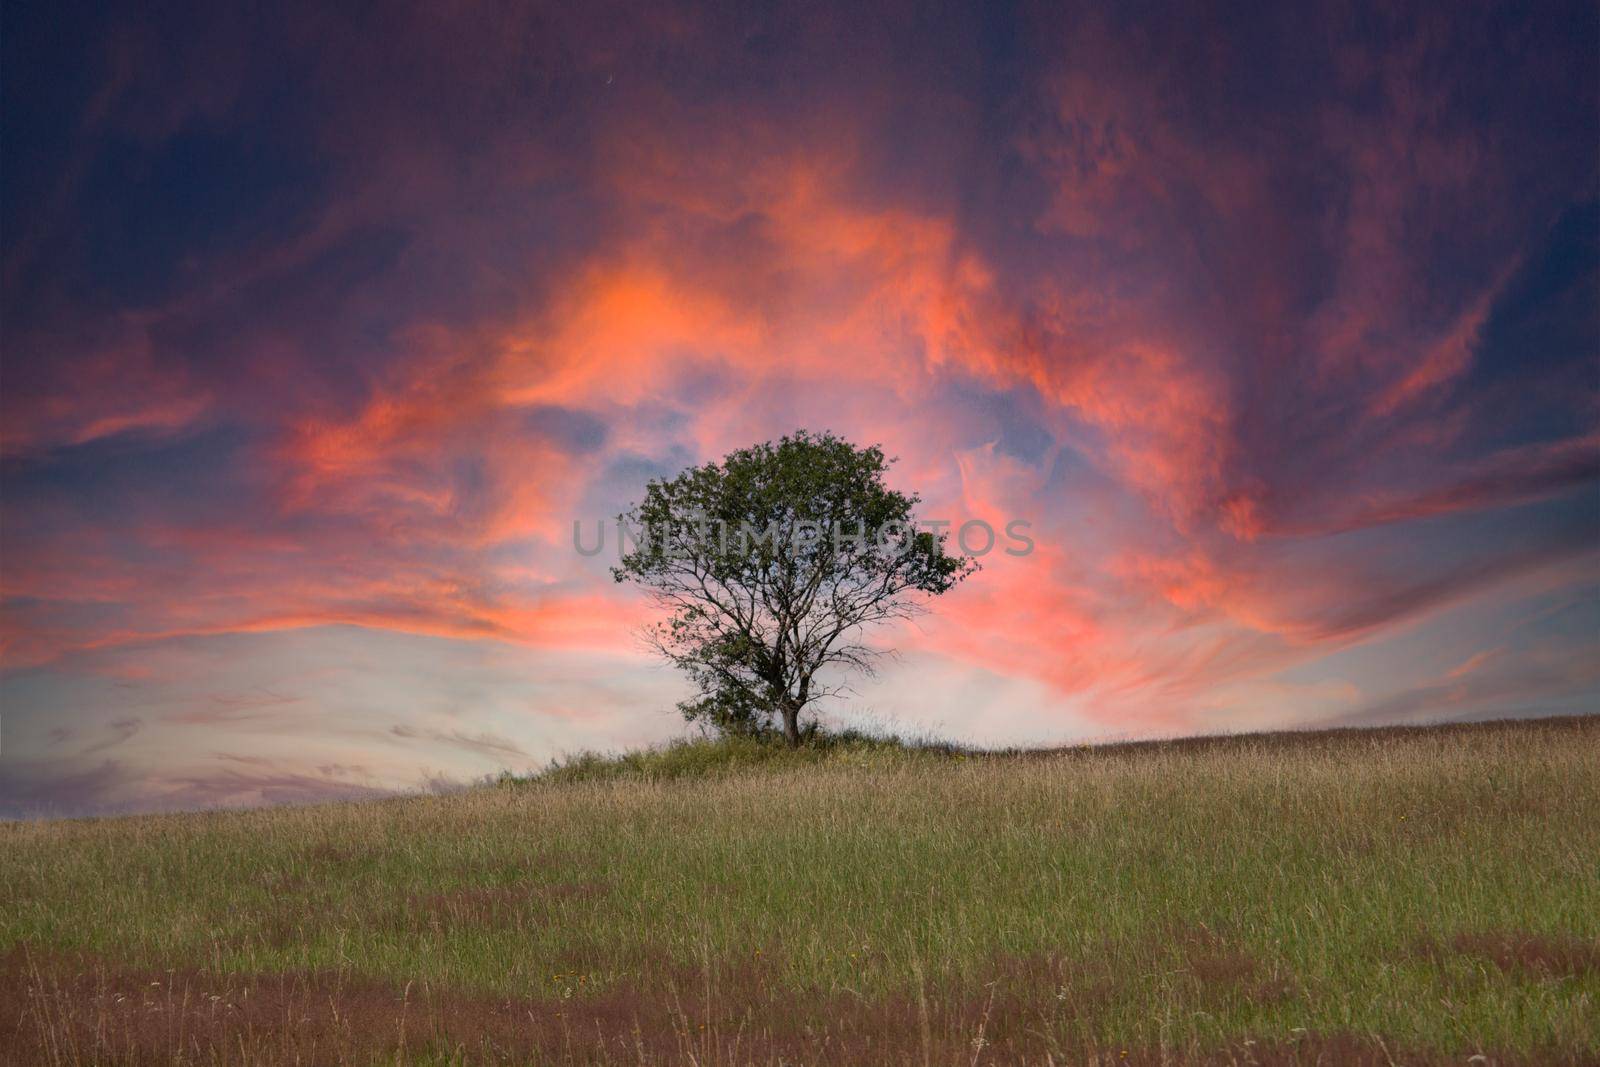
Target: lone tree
x: 771, y: 565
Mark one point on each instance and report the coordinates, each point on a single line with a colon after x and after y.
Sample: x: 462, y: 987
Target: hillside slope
x: 1420, y: 895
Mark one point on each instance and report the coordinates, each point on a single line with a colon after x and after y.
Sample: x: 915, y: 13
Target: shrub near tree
x: 771, y: 566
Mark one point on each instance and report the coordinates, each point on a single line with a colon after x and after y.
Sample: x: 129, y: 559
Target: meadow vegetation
x: 1389, y: 896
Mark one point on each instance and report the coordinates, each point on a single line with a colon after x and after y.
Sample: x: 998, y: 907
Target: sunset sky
x: 322, y: 324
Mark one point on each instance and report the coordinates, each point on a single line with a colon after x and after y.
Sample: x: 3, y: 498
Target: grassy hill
x: 1388, y: 896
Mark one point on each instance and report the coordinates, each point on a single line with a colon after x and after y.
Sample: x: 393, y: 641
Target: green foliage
x: 729, y: 711
x: 770, y: 566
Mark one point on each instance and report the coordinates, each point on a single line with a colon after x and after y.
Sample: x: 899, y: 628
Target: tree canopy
x: 771, y: 565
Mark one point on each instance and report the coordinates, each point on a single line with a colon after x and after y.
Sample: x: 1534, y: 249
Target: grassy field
x: 1393, y: 896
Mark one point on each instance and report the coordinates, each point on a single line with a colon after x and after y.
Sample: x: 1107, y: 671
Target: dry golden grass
x: 1386, y: 896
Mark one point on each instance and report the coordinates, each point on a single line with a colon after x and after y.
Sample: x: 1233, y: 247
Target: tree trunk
x: 791, y: 722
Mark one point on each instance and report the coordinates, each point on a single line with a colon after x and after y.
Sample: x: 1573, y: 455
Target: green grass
x: 1426, y: 893
x: 704, y: 758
